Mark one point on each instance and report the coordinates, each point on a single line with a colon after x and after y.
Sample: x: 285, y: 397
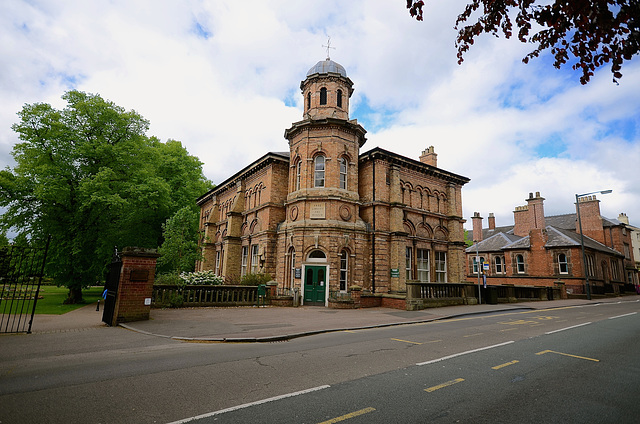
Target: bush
x: 202, y: 278
x: 255, y: 279
x: 168, y: 279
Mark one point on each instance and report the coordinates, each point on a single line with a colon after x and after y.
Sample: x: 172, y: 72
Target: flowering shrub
x: 202, y: 278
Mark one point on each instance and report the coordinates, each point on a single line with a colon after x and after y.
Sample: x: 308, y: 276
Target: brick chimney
x: 429, y: 157
x: 529, y: 217
x: 477, y: 227
x: 492, y: 221
x: 591, y: 218
x: 521, y: 221
x: 536, y: 211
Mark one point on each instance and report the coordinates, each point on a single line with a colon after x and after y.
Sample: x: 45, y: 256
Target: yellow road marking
x: 349, y: 331
x: 474, y: 335
x: 440, y: 386
x: 350, y: 415
x: 510, y: 329
x: 434, y: 341
x: 566, y: 354
x: 497, y: 367
x: 518, y: 322
x: 406, y: 341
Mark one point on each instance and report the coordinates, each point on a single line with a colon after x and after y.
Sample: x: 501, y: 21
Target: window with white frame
x: 292, y: 267
x: 255, y: 259
x: 499, y: 264
x: 441, y: 267
x: 520, y: 264
x: 244, y: 259
x: 217, y: 269
x: 343, y: 173
x: 423, y: 265
x: 344, y: 268
x: 408, y: 262
x: 298, y: 169
x: 563, y: 265
x: 318, y: 180
x: 477, y: 265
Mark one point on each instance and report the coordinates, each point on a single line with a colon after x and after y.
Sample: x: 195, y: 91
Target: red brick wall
x: 136, y: 285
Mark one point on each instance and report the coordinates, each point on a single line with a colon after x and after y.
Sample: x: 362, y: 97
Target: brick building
x: 325, y: 218
x: 541, y: 250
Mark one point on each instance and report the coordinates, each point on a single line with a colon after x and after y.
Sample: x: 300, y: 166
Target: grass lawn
x: 53, y: 298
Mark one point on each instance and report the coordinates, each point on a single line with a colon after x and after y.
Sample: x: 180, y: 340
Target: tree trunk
x: 74, y: 296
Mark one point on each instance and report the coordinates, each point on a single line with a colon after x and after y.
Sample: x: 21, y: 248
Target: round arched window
x: 317, y: 256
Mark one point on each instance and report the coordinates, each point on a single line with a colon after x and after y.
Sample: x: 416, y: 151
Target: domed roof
x: 326, y: 66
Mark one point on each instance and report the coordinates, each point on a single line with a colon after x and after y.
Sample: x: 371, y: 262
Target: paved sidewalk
x: 263, y: 324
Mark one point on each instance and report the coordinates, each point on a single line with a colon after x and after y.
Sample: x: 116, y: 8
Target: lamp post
x: 584, y: 256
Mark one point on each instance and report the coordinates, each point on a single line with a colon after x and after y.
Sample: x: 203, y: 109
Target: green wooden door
x: 315, y: 284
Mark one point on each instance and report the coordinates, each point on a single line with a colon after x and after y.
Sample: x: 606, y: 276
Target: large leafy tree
x: 89, y: 177
x: 585, y: 33
x: 180, y: 249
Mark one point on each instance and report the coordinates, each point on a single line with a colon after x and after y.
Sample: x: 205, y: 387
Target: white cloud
x: 223, y: 77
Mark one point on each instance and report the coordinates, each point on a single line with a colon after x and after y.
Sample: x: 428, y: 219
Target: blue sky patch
x: 200, y: 31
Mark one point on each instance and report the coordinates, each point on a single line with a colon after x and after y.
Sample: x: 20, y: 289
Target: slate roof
x: 561, y: 230
x: 502, y: 238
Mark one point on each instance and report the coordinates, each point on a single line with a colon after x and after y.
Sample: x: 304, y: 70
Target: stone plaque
x: 317, y: 211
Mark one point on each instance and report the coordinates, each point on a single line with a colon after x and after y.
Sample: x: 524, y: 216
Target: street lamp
x: 584, y: 256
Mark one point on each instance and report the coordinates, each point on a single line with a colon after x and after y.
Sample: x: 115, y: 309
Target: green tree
x: 180, y: 249
x: 592, y: 32
x: 90, y: 177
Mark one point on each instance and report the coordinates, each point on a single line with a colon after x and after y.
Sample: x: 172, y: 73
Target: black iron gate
x: 111, y: 287
x: 21, y: 271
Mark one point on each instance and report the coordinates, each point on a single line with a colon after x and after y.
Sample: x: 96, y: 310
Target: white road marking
x: 464, y: 353
x: 625, y: 315
x: 568, y: 328
x: 247, y: 405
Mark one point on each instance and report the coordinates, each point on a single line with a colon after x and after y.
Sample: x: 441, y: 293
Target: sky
x: 223, y: 77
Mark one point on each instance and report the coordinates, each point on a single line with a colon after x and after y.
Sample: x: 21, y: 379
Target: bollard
x: 98, y: 305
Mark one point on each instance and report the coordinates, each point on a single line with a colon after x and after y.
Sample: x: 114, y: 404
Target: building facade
x: 324, y: 218
x: 541, y: 250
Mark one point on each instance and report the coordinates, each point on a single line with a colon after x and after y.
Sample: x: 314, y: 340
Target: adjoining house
x: 635, y: 238
x: 546, y: 251
x: 325, y: 220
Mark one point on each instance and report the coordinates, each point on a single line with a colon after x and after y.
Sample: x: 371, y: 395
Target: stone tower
x: 323, y: 224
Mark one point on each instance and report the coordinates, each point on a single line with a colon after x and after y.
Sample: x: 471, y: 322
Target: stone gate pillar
x: 133, y: 301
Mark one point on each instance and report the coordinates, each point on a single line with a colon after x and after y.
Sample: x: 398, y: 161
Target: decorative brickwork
x: 323, y: 217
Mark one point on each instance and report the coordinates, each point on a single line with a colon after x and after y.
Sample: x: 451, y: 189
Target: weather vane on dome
x: 328, y: 46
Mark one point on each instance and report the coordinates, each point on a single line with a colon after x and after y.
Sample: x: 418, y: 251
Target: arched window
x: 344, y: 268
x: 520, y: 264
x: 563, y: 266
x: 339, y: 98
x: 323, y: 96
x: 308, y: 101
x: 343, y: 173
x: 318, y: 180
x: 317, y: 256
x: 298, y: 167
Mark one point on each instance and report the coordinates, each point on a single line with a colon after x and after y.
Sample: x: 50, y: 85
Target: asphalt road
x: 508, y: 367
